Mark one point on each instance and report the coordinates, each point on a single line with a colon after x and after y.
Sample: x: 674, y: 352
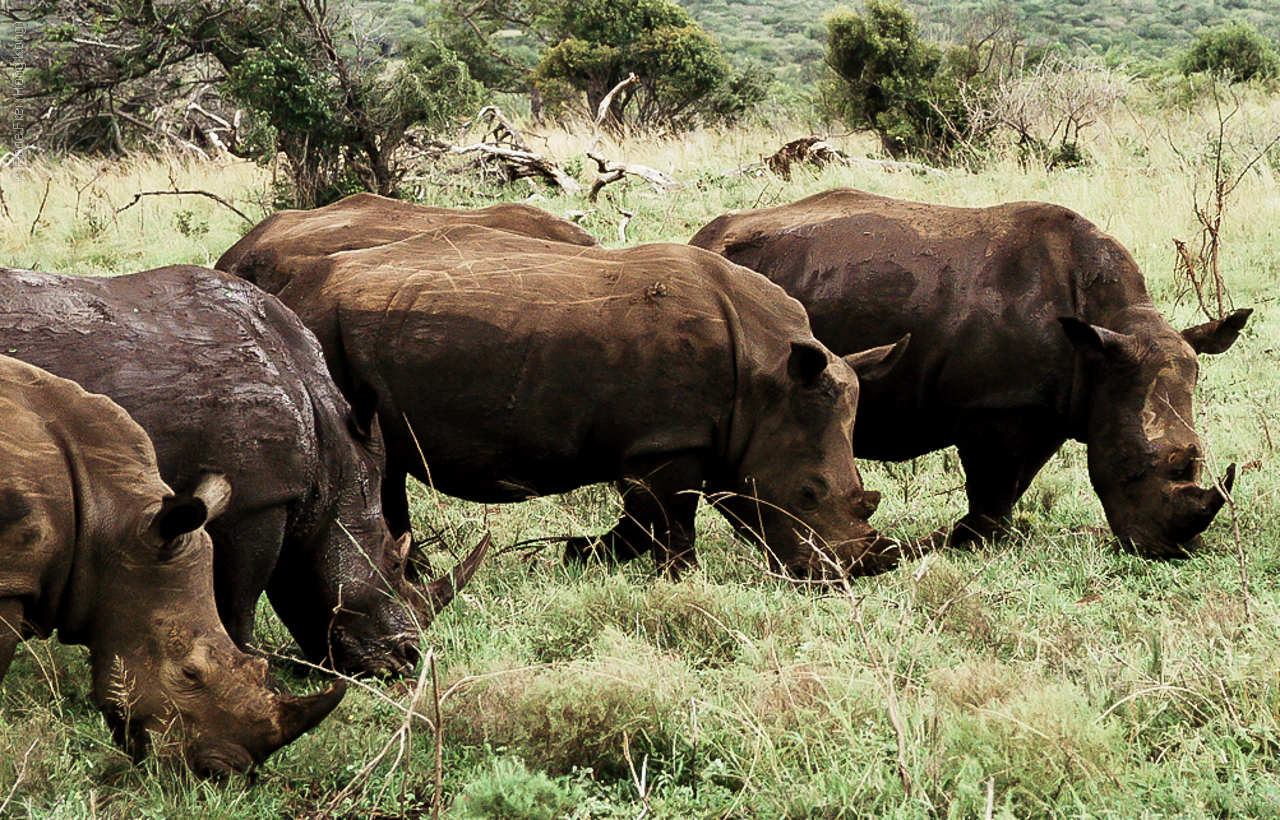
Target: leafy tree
x: 1234, y: 50
x: 101, y: 71
x: 892, y: 82
x: 571, y: 53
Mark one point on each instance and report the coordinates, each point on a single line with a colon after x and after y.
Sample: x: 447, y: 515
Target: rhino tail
x: 435, y: 596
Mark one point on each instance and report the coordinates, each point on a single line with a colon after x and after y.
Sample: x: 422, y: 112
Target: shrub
x: 1235, y: 51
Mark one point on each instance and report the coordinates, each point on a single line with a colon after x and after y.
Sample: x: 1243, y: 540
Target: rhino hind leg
x: 659, y: 506
x: 1001, y: 454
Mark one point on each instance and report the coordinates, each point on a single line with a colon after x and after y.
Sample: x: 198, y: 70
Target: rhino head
x: 164, y: 670
x: 799, y: 492
x: 338, y: 592
x: 1145, y: 459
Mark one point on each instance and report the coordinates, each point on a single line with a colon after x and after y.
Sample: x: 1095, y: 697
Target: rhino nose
x: 409, y: 654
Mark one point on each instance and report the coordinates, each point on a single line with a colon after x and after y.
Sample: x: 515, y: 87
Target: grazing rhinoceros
x: 224, y: 378
x: 95, y: 546
x: 508, y: 367
x: 1030, y: 326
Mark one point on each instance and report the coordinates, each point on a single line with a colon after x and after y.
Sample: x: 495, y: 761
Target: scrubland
x: 1045, y: 676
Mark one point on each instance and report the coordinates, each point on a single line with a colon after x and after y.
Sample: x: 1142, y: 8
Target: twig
x: 22, y: 775
x: 1240, y: 556
x: 535, y: 163
x: 622, y: 226
x: 438, y: 795
x: 891, y: 695
x: 639, y: 780
x: 193, y: 192
x: 991, y: 798
x: 398, y: 738
x: 47, y: 184
x: 693, y: 720
x: 613, y: 171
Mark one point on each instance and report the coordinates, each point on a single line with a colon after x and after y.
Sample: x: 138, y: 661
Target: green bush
x: 1235, y: 51
x: 509, y: 791
x: 892, y: 82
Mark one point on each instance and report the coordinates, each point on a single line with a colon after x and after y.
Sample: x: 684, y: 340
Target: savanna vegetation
x: 1045, y: 676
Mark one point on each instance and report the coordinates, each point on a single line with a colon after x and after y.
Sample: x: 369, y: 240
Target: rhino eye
x: 810, y: 496
x: 1182, y: 464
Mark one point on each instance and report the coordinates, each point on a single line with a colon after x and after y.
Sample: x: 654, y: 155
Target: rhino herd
x: 175, y: 443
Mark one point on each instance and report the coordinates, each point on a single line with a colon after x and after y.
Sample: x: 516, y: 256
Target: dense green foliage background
x: 790, y: 33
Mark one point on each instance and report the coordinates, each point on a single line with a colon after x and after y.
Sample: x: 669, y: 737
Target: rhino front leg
x: 244, y: 562
x: 659, y: 506
x: 1001, y: 454
x: 10, y: 631
x: 395, y: 509
x: 395, y: 499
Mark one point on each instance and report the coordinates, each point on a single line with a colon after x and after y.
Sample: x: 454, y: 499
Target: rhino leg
x: 395, y: 509
x: 395, y: 498
x: 10, y: 631
x: 1001, y: 454
x: 659, y: 506
x: 243, y: 566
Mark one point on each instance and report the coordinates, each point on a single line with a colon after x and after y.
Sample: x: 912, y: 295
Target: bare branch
x: 140, y: 194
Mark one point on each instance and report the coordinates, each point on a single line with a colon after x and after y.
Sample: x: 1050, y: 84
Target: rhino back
x: 979, y: 289
x: 366, y: 221
x: 195, y: 357
x: 552, y: 366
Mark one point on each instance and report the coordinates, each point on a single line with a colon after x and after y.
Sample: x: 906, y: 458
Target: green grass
x: 1048, y: 674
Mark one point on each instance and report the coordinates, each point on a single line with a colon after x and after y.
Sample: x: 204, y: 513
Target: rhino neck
x: 1108, y: 290
x: 107, y: 465
x: 734, y: 437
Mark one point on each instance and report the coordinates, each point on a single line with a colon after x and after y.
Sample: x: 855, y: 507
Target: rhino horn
x: 298, y: 715
x: 435, y: 596
x: 1205, y: 502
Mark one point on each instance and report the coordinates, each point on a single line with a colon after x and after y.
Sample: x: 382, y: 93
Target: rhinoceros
x: 508, y: 367
x: 94, y: 546
x: 1030, y: 326
x: 225, y: 378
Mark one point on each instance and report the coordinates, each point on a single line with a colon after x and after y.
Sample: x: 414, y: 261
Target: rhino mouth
x: 1191, y: 509
x: 827, y: 564
x: 221, y: 762
x: 391, y: 656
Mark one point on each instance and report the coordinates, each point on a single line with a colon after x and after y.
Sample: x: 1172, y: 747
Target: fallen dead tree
x: 609, y: 171
x: 504, y: 150
x: 819, y: 153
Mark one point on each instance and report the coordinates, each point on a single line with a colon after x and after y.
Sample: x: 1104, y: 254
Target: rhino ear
x: 807, y: 363
x: 1093, y: 339
x: 214, y: 490
x: 181, y: 514
x: 1217, y: 337
x: 876, y: 362
x: 364, y: 412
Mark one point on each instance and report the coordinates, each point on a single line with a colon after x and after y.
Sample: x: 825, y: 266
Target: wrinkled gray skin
x: 519, y: 367
x: 94, y: 546
x: 1029, y: 327
x: 226, y: 379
